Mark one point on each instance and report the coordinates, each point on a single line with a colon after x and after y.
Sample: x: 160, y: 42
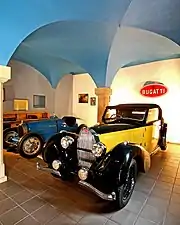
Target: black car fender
x: 116, y: 162
x: 52, y: 141
x: 53, y: 145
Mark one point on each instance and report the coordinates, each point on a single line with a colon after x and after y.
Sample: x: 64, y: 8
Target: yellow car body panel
x: 142, y: 136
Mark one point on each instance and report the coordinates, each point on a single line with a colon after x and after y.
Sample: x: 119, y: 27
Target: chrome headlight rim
x: 66, y: 141
x: 98, y: 149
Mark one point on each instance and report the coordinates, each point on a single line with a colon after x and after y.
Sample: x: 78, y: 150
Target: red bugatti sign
x: 153, y: 89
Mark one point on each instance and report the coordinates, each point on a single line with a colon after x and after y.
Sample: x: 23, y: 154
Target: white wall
x: 83, y: 84
x: 25, y: 83
x: 64, y: 96
x: 128, y: 82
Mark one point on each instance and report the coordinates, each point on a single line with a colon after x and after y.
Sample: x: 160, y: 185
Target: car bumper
x: 104, y: 196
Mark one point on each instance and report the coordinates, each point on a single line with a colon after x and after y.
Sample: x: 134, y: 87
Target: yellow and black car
x: 107, y: 157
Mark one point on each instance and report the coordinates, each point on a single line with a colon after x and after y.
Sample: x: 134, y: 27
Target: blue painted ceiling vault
x: 59, y: 37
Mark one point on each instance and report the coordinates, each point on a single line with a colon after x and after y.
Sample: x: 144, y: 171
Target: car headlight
x: 98, y: 149
x: 66, y: 141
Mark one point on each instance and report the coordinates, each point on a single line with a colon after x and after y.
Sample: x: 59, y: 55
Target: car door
x: 152, y: 129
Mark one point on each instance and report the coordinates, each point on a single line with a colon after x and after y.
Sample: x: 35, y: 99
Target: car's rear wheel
x: 30, y: 145
x: 124, y: 192
x: 8, y: 134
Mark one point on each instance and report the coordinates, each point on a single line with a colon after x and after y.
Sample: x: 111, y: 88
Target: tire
x: 122, y: 198
x: 7, y: 133
x: 162, y: 141
x: 163, y: 146
x: 32, y: 151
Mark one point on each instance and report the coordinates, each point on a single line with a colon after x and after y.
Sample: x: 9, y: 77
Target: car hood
x: 107, y: 128
x: 39, y: 121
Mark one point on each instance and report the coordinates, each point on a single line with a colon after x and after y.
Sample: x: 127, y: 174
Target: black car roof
x: 135, y: 105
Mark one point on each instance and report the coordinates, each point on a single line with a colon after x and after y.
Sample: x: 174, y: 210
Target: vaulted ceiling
x: 59, y: 37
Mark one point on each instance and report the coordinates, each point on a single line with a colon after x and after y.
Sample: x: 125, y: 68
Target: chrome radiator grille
x: 84, y: 148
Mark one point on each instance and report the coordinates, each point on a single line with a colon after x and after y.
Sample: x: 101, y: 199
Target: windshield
x: 114, y: 114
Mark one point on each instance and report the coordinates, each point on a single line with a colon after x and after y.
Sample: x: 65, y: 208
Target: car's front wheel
x: 124, y: 192
x: 30, y: 145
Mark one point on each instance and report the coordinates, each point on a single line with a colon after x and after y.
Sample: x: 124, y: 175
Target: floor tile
x: 110, y: 222
x: 176, y: 189
x: 163, y: 185
x: 139, y: 196
x: 171, y: 220
x: 158, y: 202
x: 60, y: 203
x: 33, y: 204
x: 7, y: 184
x: 17, y: 176
x: 28, y: 221
x: 6, y: 205
x: 2, y: 196
x: 12, y: 190
x: 178, y: 175
x: 177, y: 181
x: 168, y: 173
x: 134, y: 206
x: 158, y: 192
x: 92, y: 220
x: 22, y: 196
x: 45, y: 214
x: 13, y: 216
x: 73, y: 212
x: 124, y: 217
x: 175, y: 198
x: 166, y: 179
x: 169, y: 169
x: 34, y: 186
x: 142, y: 187
x: 142, y: 221
x: 62, y: 220
x: 174, y: 209
x: 152, y: 213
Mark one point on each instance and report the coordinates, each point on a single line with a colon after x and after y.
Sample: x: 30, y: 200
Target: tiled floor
x: 34, y: 197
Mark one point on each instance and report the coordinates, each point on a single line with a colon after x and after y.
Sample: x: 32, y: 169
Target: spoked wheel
x: 8, y: 135
x: 30, y: 146
x: 125, y: 191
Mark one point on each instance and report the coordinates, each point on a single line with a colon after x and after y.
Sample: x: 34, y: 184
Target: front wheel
x: 30, y: 146
x: 124, y: 192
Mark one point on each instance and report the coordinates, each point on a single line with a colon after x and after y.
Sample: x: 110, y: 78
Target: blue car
x: 29, y: 137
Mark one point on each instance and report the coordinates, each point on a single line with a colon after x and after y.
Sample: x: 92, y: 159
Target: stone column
x: 103, y: 94
x: 5, y: 75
